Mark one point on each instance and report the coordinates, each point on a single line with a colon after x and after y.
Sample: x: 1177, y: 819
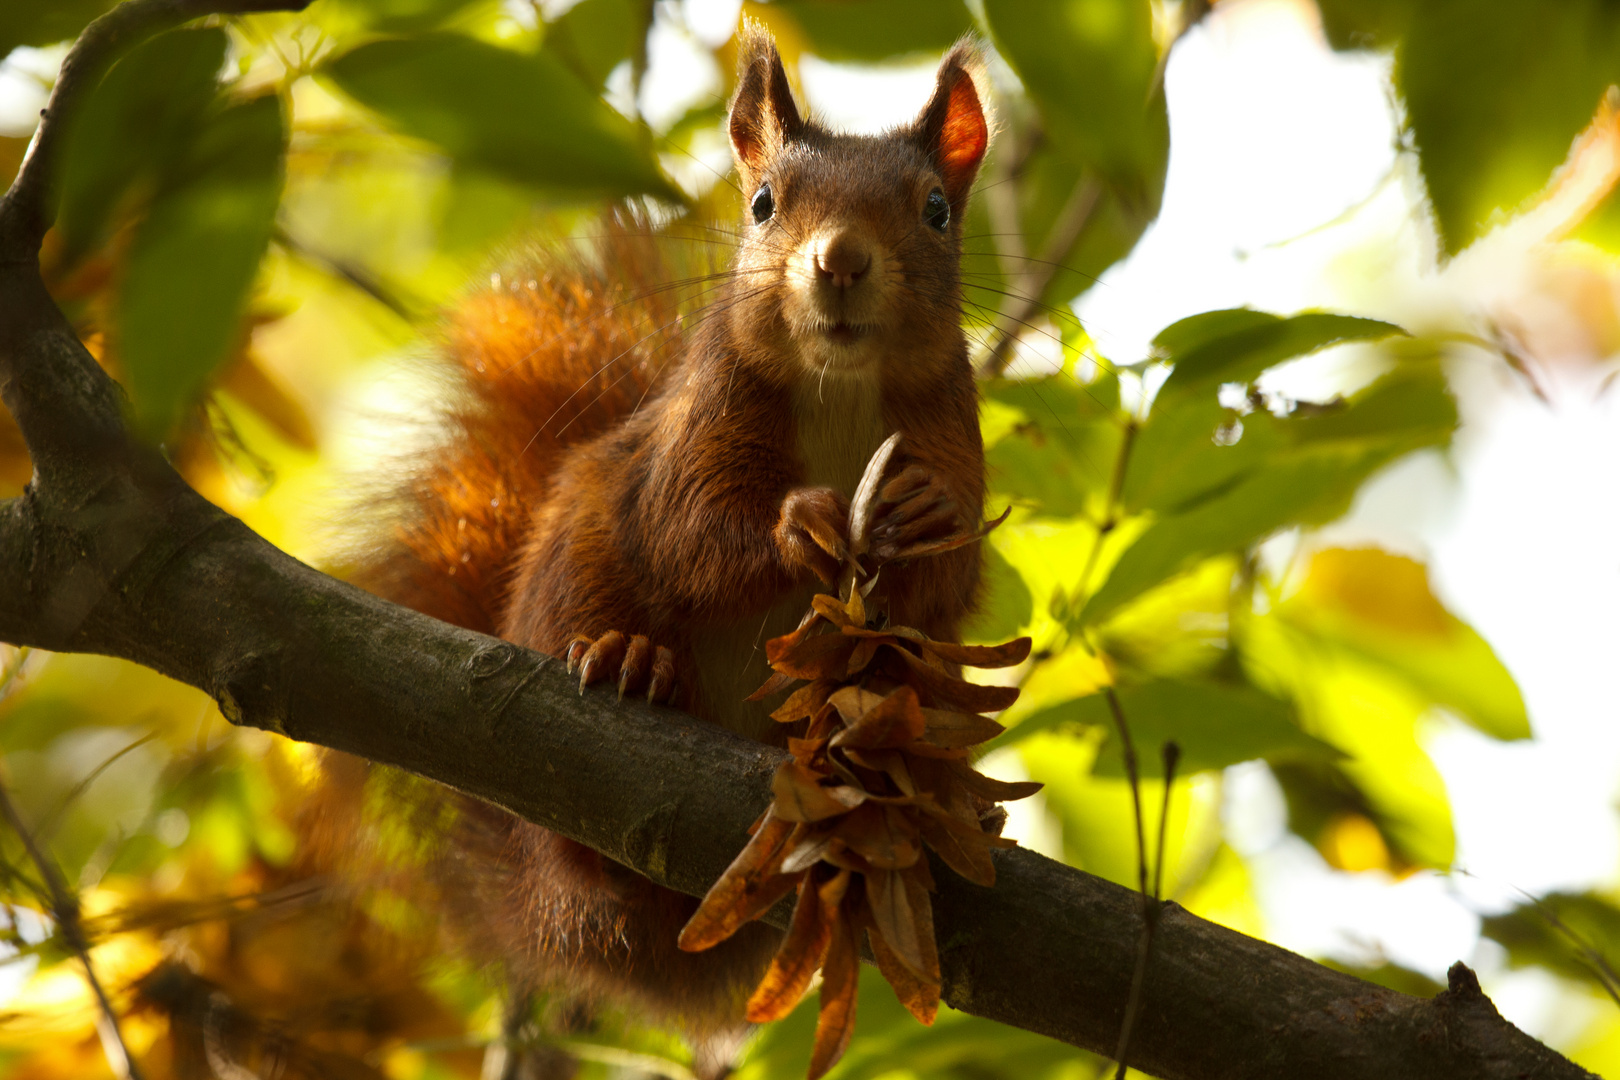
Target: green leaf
x: 593, y: 37
x: 1176, y: 459
x: 1104, y: 136
x: 45, y: 22
x: 877, y: 30
x: 1062, y: 454
x: 1381, y: 607
x: 1494, y: 93
x: 1007, y: 605
x: 405, y: 15
x: 1236, y: 345
x: 194, y: 259
x: 1375, y: 720
x: 1311, y: 470
x: 1214, y: 724
x: 550, y: 129
x: 1090, y: 66
x: 137, y: 122
x: 1576, y: 935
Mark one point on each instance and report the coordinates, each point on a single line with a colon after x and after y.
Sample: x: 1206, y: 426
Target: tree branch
x: 110, y: 552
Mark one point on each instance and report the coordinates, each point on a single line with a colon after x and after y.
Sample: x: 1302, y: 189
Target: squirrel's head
x: 851, y: 246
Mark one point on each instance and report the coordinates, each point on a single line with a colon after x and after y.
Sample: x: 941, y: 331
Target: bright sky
x: 1285, y: 192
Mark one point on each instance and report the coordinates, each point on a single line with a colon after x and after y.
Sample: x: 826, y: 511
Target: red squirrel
x: 654, y: 508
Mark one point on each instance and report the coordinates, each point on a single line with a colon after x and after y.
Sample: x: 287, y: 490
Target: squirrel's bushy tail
x: 545, y: 357
x: 552, y: 352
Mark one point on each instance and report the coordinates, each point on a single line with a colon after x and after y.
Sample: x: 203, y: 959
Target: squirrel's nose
x: 842, y: 260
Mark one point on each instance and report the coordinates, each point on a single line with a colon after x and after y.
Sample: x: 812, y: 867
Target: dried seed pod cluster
x: 880, y: 771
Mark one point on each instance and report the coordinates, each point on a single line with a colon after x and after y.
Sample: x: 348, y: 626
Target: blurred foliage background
x: 263, y: 220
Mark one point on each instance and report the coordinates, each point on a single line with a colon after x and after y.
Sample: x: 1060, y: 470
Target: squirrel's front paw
x: 812, y: 529
x: 641, y: 667
x: 913, y: 507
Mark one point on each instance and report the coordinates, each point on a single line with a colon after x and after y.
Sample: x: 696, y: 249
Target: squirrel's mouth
x: 843, y: 333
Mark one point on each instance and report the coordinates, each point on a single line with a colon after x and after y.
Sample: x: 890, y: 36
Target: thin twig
x: 52, y: 819
x: 345, y: 271
x: 1127, y: 747
x: 1171, y: 752
x: 65, y: 910
x: 1071, y: 222
x: 1150, y: 908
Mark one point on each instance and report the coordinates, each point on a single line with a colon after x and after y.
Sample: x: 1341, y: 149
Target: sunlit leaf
x: 1090, y: 64
x: 249, y: 383
x: 595, y: 36
x: 1381, y: 606
x: 1494, y: 95
x: 1314, y: 466
x: 1096, y: 813
x: 1374, y: 718
x: 1215, y: 725
x: 405, y: 15
x: 1091, y: 67
x: 882, y: 29
x: 1061, y: 457
x: 1177, y: 458
x: 551, y: 129
x: 1237, y: 345
x: 195, y: 256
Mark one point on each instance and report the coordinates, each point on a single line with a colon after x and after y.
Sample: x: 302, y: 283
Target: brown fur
x: 579, y: 493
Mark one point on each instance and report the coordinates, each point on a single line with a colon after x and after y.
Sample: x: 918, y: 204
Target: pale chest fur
x: 839, y: 424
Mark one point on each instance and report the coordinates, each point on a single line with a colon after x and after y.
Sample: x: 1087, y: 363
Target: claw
x: 602, y: 656
x: 661, y: 687
x: 638, y: 660
x: 576, y: 652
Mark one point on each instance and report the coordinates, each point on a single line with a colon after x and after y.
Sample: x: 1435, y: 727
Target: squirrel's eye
x: 937, y: 211
x: 763, y: 205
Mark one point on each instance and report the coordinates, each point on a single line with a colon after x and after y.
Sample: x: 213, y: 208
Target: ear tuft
x: 763, y: 115
x: 953, y: 128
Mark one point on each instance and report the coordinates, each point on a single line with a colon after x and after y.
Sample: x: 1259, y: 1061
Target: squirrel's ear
x: 763, y: 116
x: 952, y: 129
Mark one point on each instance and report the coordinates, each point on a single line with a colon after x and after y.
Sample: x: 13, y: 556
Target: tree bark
x: 110, y: 552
